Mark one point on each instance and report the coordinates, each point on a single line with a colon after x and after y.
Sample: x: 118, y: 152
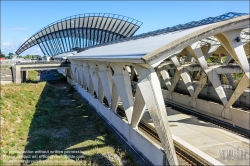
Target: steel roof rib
x: 89, y: 36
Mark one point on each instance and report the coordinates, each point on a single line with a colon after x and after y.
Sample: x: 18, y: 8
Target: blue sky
x: 20, y: 20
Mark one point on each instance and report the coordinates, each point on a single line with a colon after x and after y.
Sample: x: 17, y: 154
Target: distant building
x: 2, y: 57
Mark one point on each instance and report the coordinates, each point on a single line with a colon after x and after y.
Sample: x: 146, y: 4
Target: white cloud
x: 16, y: 28
x: 7, y: 47
x: 6, y: 43
x: 35, y: 50
x: 20, y: 29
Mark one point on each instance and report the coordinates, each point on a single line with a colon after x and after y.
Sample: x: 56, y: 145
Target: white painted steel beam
x: 105, y: 75
x: 235, y: 48
x: 195, y: 51
x: 139, y: 108
x: 242, y: 86
x: 123, y: 84
x: 151, y: 91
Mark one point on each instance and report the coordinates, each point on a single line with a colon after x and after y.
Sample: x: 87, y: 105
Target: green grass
x: 237, y: 76
x: 39, y: 116
x: 32, y: 75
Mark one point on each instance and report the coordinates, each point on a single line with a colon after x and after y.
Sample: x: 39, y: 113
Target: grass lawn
x: 45, y: 125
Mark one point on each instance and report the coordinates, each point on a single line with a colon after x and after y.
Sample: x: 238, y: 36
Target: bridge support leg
x: 230, y: 80
x: 123, y: 85
x: 196, y: 52
x: 24, y: 75
x: 105, y: 75
x: 176, y: 78
x: 115, y: 97
x: 139, y: 108
x: 166, y: 78
x: 93, y: 72
x: 242, y: 86
x: 184, y: 75
x: 85, y: 69
x: 151, y: 91
x: 201, y: 85
x: 16, y: 74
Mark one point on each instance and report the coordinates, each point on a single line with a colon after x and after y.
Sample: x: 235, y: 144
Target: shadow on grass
x: 32, y: 81
x: 66, y: 127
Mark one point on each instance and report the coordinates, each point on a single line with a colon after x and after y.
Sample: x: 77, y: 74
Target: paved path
x: 224, y: 146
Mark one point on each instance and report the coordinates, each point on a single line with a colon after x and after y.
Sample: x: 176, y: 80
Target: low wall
x: 153, y: 152
x: 239, y: 117
x: 209, y: 91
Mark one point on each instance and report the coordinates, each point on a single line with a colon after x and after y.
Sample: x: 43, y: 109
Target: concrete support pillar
x: 100, y: 94
x: 186, y: 79
x: 151, y: 91
x: 85, y: 68
x: 93, y: 72
x: 228, y: 59
x: 195, y: 73
x: 166, y: 78
x: 188, y: 58
x: 176, y: 78
x: 77, y: 75
x: 16, y: 74
x: 81, y: 80
x: 242, y: 86
x: 77, y: 72
x: 69, y: 73
x: 139, y: 108
x: 73, y: 70
x: 230, y: 80
x: 123, y: 85
x: 215, y: 80
x: 235, y: 48
x: 196, y: 52
x: 184, y: 75
x: 105, y: 75
x: 128, y: 69
x: 115, y: 97
x: 27, y: 74
x: 172, y: 72
x: 219, y: 59
x: 201, y: 84
x: 24, y: 76
x: 133, y: 73
x: 211, y: 50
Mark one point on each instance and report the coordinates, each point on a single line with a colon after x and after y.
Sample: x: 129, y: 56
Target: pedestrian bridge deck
x: 206, y: 139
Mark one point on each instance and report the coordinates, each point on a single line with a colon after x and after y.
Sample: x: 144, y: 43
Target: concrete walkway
x: 207, y: 140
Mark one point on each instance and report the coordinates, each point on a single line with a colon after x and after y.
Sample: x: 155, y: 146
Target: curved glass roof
x: 81, y: 31
x: 180, y: 27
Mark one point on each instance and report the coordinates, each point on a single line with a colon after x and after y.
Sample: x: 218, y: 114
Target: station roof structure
x: 81, y: 31
x: 149, y: 46
x: 109, y: 37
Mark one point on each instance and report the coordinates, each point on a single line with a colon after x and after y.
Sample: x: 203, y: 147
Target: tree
x: 1, y: 54
x: 27, y: 56
x: 10, y: 55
